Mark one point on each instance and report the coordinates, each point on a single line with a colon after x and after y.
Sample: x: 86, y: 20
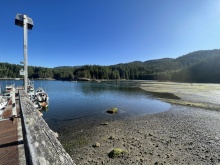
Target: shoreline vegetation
x: 188, y: 133
x: 199, y: 66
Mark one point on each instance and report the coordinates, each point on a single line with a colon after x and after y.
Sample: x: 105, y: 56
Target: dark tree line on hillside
x: 199, y: 66
x: 205, y: 72
x: 9, y: 70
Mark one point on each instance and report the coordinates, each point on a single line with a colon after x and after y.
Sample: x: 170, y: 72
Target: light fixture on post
x: 27, y: 23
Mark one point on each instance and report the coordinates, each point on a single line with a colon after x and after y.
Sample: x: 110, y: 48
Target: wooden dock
x: 25, y: 137
x: 11, y: 138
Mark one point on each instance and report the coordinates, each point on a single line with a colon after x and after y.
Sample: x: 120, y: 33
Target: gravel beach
x: 181, y: 135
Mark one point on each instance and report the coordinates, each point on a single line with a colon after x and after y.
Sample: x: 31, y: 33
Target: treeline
x: 204, y: 72
x: 199, y: 66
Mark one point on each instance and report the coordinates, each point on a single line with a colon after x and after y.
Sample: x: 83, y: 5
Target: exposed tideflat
x: 181, y: 135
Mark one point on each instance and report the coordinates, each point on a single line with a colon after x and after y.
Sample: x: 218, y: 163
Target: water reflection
x: 73, y: 102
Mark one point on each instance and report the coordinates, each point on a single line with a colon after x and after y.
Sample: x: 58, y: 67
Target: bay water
x: 77, y: 102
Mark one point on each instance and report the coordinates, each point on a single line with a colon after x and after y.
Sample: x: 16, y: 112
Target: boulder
x: 112, y: 110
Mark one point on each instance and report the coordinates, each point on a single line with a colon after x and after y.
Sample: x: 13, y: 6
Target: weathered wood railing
x: 41, y: 145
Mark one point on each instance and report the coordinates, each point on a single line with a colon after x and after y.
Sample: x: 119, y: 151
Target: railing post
x: 14, y: 111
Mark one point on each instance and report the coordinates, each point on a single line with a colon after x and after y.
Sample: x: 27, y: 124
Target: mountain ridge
x: 189, y: 56
x: 198, y: 66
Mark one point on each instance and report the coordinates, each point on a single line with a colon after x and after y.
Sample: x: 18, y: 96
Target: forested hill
x: 198, y: 66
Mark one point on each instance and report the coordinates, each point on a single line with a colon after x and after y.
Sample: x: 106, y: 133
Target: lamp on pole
x: 27, y: 23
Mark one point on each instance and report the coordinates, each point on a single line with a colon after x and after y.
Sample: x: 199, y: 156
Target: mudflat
x: 188, y: 133
x: 191, y: 94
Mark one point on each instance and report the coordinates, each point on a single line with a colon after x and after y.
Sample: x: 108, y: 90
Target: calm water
x: 72, y: 102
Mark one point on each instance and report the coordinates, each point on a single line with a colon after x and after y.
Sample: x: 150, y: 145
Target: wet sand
x: 181, y: 135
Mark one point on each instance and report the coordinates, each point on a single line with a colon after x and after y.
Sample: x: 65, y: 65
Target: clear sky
x: 107, y: 32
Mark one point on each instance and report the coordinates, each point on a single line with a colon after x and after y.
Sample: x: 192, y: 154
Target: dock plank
x: 8, y: 143
x: 11, y: 140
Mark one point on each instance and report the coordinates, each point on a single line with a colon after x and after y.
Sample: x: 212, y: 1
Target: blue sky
x: 107, y: 32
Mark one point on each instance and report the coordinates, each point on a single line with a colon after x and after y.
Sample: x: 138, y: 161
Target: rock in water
x: 112, y: 110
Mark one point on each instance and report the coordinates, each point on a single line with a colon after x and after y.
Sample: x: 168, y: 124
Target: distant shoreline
x: 22, y: 79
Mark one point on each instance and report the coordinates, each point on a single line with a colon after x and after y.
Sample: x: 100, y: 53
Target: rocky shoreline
x: 181, y: 135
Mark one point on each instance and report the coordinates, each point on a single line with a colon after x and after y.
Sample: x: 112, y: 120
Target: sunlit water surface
x: 74, y: 101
